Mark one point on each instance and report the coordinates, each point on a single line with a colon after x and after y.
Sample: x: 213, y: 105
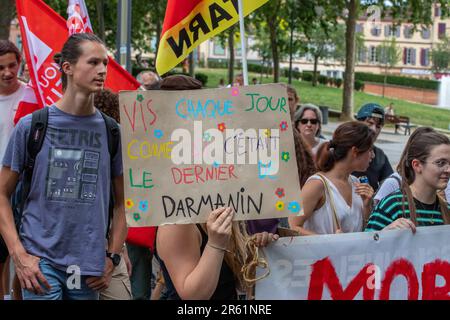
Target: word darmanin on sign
x: 187, y: 153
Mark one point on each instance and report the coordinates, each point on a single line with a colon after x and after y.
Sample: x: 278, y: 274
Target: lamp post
x: 123, y: 41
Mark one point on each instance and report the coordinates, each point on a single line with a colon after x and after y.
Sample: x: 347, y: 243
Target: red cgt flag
x: 44, y: 33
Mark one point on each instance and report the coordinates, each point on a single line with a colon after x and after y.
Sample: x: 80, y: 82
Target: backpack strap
x: 113, y: 137
x: 39, y: 123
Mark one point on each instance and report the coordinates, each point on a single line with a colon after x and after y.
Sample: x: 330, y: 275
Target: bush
x: 359, y: 85
x: 398, y: 80
x: 203, y: 78
x: 258, y: 68
x: 338, y: 82
x: 307, y: 76
x: 323, y: 80
x: 218, y: 64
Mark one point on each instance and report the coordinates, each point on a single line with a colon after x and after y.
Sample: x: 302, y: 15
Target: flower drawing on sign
x: 221, y: 127
x: 140, y: 98
x: 143, y: 206
x: 294, y: 207
x: 129, y: 204
x: 207, y: 137
x: 136, y: 216
x: 279, y: 192
x: 285, y: 156
x: 283, y: 126
x: 267, y: 133
x: 216, y: 164
x: 235, y: 91
x: 158, y: 134
x: 279, y: 205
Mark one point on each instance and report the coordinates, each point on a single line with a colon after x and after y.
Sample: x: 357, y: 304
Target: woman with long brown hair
x: 333, y: 200
x: 425, y: 170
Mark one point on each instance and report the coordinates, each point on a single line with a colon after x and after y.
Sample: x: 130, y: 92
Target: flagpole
x: 243, y: 42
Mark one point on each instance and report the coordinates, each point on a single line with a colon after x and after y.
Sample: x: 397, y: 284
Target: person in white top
x: 11, y: 93
x: 333, y: 201
x: 308, y: 121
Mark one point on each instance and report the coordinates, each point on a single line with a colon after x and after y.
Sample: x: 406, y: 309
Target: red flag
x: 78, y: 18
x: 44, y: 33
x: 28, y: 105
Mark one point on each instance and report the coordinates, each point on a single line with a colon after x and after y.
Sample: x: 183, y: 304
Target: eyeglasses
x: 443, y: 165
x: 305, y: 121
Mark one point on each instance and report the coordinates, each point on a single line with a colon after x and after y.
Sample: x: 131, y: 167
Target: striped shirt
x: 390, y: 209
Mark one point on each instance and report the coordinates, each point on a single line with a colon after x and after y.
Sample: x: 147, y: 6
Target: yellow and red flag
x: 188, y: 23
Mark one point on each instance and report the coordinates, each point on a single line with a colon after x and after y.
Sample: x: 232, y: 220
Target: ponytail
x: 347, y: 135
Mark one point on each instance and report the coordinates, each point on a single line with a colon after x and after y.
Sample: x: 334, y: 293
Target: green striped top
x: 390, y: 209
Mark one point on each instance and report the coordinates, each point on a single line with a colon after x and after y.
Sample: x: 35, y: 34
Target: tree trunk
x: 314, y: 79
x: 6, y: 16
x: 350, y: 45
x: 275, y: 56
x: 192, y: 64
x: 262, y: 70
x: 101, y: 18
x: 158, y: 23
x: 291, y: 47
x: 231, y: 58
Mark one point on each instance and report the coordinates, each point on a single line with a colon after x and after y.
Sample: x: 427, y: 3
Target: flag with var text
x: 188, y: 23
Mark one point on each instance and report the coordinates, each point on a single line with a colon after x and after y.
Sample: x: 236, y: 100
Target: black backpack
x: 39, y: 123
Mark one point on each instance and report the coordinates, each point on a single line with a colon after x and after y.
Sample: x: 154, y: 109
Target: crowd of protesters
x: 347, y: 185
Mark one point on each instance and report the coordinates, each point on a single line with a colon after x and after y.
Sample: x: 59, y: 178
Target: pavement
x: 390, y: 142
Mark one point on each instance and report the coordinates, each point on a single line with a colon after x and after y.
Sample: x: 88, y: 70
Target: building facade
x: 414, y: 45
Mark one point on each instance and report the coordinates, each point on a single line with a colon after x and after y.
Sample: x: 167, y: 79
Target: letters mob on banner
x: 188, y: 23
x: 187, y: 153
x: 388, y: 265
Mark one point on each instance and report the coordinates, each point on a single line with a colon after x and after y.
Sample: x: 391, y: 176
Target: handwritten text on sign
x: 187, y: 153
x: 385, y: 265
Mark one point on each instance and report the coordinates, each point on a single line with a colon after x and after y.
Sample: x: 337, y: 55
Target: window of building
x: 375, y: 31
x: 409, y: 56
x: 218, y: 50
x: 362, y: 55
x: 359, y: 28
x: 426, y: 33
x: 391, y: 31
x: 373, y: 55
x: 424, y: 57
x: 408, y: 32
x: 437, y: 11
x: 441, y: 30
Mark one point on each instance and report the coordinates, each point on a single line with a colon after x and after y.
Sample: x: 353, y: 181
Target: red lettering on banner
x: 429, y: 275
x: 404, y: 268
x: 323, y: 273
x: 144, y: 115
x: 199, y: 174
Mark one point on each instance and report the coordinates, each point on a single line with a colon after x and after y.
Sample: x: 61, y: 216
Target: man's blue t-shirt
x: 66, y: 215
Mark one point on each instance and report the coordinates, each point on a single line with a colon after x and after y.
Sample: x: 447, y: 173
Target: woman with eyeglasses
x: 425, y: 170
x: 308, y: 121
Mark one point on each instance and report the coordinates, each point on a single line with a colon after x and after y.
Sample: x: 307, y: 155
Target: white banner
x: 370, y: 266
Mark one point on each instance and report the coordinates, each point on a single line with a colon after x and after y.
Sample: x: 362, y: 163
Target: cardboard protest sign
x: 187, y: 153
x: 387, y: 265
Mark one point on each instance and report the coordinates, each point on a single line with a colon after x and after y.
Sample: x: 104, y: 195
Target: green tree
x: 6, y: 16
x: 417, y: 12
x: 389, y: 54
x: 440, y: 56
